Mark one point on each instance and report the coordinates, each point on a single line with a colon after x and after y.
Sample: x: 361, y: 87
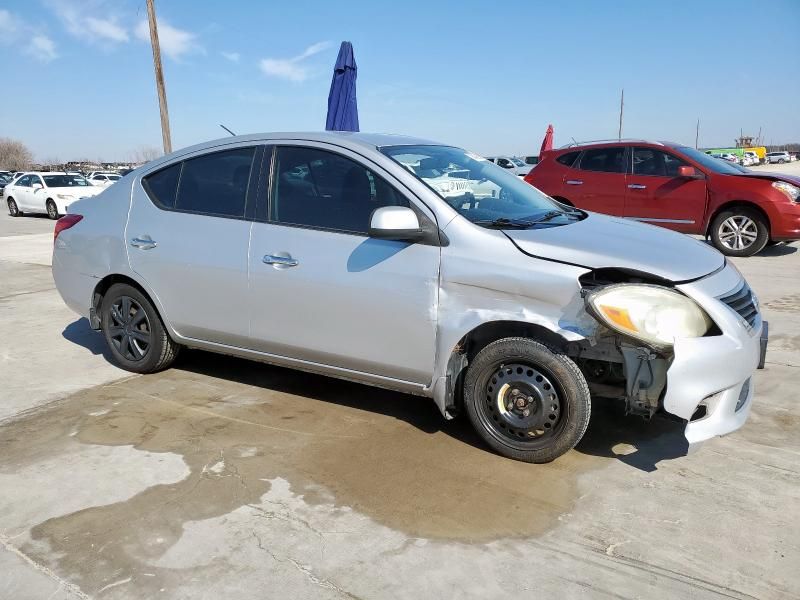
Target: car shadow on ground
x: 777, y: 249
x: 611, y: 434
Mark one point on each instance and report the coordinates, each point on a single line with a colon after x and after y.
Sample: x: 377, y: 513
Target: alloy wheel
x: 130, y: 330
x: 738, y: 232
x: 521, y: 406
x: 52, y: 211
x: 12, y: 208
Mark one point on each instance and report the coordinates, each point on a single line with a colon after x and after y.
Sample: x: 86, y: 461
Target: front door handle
x: 144, y: 242
x: 636, y: 186
x: 279, y: 261
x: 574, y: 182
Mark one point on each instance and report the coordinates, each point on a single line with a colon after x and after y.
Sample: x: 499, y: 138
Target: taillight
x: 65, y: 222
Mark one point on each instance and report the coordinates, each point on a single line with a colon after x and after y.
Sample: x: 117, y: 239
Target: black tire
x: 529, y: 376
x: 137, y: 341
x: 753, y: 225
x: 52, y: 209
x: 13, y: 209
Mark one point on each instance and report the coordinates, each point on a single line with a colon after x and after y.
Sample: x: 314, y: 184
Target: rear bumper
x: 75, y: 288
x: 710, y: 380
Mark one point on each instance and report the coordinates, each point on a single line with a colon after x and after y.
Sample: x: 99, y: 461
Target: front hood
x: 600, y: 241
x: 793, y: 179
x: 78, y: 192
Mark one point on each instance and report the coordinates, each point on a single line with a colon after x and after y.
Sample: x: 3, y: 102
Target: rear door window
x: 607, y: 160
x: 216, y: 183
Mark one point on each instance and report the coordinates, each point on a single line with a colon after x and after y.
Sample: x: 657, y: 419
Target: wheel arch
x: 105, y: 284
x: 734, y: 204
x: 478, y: 338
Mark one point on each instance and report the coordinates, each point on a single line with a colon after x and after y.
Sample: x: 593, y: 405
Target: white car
x: 104, y: 179
x: 46, y: 193
x: 753, y: 158
x: 778, y: 157
x: 513, y: 164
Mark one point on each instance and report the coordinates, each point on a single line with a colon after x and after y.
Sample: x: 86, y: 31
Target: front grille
x: 742, y: 301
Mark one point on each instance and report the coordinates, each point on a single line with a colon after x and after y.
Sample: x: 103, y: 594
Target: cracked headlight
x: 787, y: 188
x: 650, y: 313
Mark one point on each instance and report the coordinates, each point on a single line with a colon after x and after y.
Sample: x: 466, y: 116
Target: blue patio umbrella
x: 342, y: 106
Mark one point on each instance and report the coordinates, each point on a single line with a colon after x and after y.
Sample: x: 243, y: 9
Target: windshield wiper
x: 504, y: 223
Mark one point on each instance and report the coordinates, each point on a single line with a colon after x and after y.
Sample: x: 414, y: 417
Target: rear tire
x: 740, y: 231
x: 52, y: 210
x: 134, y: 332
x: 13, y: 209
x: 527, y: 401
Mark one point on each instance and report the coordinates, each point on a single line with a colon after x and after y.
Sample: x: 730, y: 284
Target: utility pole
x: 162, y: 94
x: 697, y: 135
x: 621, y: 107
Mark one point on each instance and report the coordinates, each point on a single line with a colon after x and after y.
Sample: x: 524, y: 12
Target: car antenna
x: 228, y: 130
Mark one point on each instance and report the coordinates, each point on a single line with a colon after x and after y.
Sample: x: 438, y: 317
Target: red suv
x: 676, y: 187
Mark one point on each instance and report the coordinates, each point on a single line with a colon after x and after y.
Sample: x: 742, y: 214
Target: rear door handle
x: 574, y: 182
x: 636, y: 186
x: 144, y: 242
x: 278, y: 261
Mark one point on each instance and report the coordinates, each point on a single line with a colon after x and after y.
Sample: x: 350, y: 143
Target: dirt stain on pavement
x: 238, y: 424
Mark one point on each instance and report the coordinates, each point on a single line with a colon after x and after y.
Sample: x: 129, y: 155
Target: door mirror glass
x: 686, y: 171
x: 395, y: 223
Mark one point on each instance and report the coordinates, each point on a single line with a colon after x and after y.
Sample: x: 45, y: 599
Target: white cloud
x: 91, y: 21
x: 41, y: 48
x: 231, y: 56
x: 22, y: 35
x: 174, y: 42
x: 292, y: 68
x: 107, y: 29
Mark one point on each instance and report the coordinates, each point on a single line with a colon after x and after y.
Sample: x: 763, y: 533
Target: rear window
x: 567, y: 159
x: 162, y: 185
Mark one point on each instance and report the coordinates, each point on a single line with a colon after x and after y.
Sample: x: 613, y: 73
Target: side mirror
x: 37, y: 186
x: 688, y: 172
x: 397, y: 223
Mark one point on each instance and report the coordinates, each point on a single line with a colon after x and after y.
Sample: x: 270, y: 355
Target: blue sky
x: 483, y: 75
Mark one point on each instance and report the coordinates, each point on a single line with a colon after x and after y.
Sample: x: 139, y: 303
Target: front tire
x: 13, y: 209
x: 52, y: 210
x: 134, y: 332
x: 526, y: 401
x: 740, y: 231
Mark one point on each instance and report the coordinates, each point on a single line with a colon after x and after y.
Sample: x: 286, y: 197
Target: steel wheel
x: 738, y: 232
x: 130, y: 330
x: 522, y: 406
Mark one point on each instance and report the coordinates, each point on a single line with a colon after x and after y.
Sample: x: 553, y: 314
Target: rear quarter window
x: 162, y: 186
x: 567, y: 159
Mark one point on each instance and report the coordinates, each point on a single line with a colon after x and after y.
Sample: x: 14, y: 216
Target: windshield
x: 518, y: 162
x: 478, y: 189
x: 58, y: 181
x: 717, y: 165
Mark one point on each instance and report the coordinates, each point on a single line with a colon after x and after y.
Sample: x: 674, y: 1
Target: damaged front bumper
x: 710, y: 379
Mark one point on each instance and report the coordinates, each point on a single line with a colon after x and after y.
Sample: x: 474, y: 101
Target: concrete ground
x: 223, y: 478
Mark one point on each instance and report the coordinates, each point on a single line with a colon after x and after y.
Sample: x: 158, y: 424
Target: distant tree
x: 145, y: 154
x: 14, y: 155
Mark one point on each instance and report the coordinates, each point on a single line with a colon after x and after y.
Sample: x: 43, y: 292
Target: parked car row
x: 676, y: 187
x: 512, y: 164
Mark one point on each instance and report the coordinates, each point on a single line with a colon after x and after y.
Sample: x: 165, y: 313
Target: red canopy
x: 547, y: 142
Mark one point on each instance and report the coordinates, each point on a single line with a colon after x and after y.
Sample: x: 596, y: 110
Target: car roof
x: 577, y: 146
